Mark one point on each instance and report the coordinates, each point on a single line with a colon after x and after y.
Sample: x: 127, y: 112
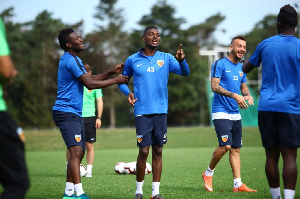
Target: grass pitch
x: 185, y: 157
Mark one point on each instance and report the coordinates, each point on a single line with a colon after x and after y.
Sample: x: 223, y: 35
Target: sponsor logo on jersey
x: 139, y: 64
x: 90, y: 91
x: 160, y: 63
x: 224, y: 138
x: 78, y: 138
x: 139, y: 138
x: 241, y: 73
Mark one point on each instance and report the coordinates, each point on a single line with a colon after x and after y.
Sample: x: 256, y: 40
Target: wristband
x: 99, y: 118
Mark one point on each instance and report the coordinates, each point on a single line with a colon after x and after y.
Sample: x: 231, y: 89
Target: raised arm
x: 178, y: 64
x: 101, y: 81
x: 103, y: 76
x: 90, y: 83
x: 180, y: 54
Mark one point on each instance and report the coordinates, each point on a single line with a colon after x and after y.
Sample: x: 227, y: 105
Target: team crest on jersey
x: 78, y: 138
x: 160, y: 63
x: 21, y: 134
x: 241, y: 73
x: 139, y: 138
x: 224, y: 138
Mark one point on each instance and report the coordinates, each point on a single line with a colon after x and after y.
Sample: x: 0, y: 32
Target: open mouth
x: 240, y: 54
x: 154, y: 42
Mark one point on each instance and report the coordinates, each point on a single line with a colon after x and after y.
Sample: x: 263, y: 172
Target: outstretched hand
x: 118, y: 68
x: 121, y: 79
x: 180, y: 54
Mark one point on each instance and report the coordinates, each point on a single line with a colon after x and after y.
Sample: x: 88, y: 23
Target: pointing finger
x: 179, y: 48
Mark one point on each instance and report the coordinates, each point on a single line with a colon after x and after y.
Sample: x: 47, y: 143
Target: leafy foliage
x: 36, y: 54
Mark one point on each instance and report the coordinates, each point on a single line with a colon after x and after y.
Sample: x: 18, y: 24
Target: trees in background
x: 36, y: 52
x: 109, y: 43
x: 35, y: 55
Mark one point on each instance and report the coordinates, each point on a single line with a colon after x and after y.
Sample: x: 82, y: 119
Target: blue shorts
x: 71, y: 128
x: 229, y: 132
x: 279, y: 129
x: 151, y: 130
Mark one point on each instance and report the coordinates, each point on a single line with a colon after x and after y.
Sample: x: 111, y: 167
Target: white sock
x: 209, y: 172
x: 155, y: 188
x: 237, y: 182
x: 89, y: 168
x: 78, y: 189
x: 69, y: 190
x: 139, y: 187
x: 275, y: 192
x: 289, y: 194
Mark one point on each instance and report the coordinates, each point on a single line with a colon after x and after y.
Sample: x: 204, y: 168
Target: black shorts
x: 279, y: 129
x: 229, y: 132
x: 90, y: 129
x: 151, y: 130
x: 13, y: 176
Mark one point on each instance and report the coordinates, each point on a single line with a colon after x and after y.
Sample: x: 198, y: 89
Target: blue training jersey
x: 231, y: 77
x: 150, y: 80
x: 280, y: 58
x: 69, y: 88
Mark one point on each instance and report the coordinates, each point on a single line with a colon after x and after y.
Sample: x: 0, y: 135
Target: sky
x: 241, y: 15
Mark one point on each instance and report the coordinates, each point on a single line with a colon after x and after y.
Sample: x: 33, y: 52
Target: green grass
x: 185, y: 157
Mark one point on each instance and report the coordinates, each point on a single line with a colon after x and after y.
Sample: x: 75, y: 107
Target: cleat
x: 88, y: 174
x: 207, y: 182
x: 138, y: 196
x: 83, y: 196
x: 157, y: 197
x: 69, y: 197
x: 243, y: 188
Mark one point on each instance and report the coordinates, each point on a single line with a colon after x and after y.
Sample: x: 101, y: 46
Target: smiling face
x: 75, y: 43
x: 151, y: 38
x: 238, y: 48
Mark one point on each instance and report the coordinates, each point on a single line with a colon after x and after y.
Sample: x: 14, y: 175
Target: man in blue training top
x: 279, y: 104
x: 227, y: 80
x: 150, y: 69
x: 67, y: 110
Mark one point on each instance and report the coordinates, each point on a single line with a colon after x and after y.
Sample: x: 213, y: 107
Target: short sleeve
x: 4, y: 49
x: 75, y: 65
x: 255, y: 59
x: 217, y: 69
x: 98, y: 93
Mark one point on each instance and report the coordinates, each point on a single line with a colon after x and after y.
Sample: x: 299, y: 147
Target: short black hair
x: 63, y: 37
x: 150, y: 27
x: 238, y: 37
x: 287, y: 16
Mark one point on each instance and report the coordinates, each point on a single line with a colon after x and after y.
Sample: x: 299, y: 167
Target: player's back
x: 280, y: 57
